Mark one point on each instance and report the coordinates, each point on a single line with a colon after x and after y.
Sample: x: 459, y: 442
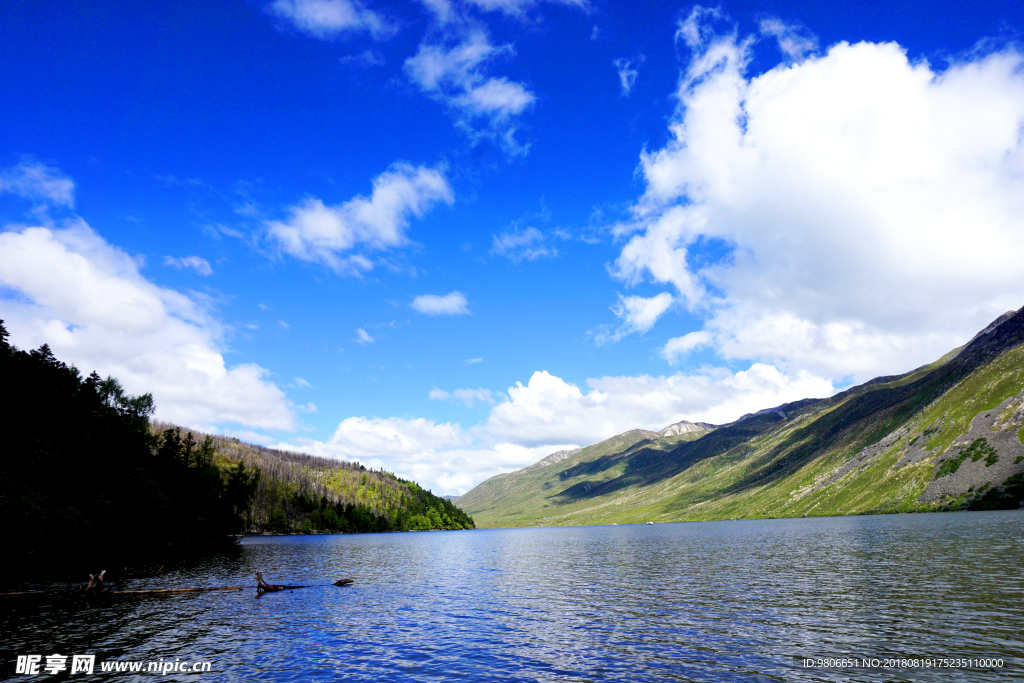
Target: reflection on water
x: 715, y: 601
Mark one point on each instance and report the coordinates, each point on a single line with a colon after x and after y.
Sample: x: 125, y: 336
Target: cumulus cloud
x: 327, y: 19
x: 452, y: 303
x: 873, y: 206
x: 454, y: 71
x: 338, y: 236
x: 522, y: 245
x: 87, y: 299
x: 628, y: 70
x: 32, y: 179
x: 196, y: 263
x: 549, y: 414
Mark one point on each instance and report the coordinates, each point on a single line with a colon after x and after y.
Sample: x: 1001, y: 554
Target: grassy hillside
x: 299, y: 493
x: 945, y: 436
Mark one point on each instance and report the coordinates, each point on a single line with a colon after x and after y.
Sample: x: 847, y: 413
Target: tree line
x: 84, y: 481
x: 301, y: 493
x: 87, y: 479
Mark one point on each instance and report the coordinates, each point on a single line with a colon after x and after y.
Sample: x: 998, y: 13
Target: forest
x: 300, y: 493
x: 87, y: 479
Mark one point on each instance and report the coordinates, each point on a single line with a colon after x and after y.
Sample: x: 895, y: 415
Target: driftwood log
x: 95, y: 586
x: 264, y: 587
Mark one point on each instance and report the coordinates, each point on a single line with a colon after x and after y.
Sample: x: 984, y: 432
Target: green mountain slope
x: 945, y: 436
x: 300, y: 493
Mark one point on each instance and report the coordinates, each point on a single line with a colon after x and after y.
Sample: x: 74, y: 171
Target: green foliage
x: 1005, y: 497
x: 83, y: 480
x: 978, y: 449
x: 299, y: 493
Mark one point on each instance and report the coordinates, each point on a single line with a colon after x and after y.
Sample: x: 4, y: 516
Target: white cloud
x: 34, y: 180
x: 640, y: 313
x: 550, y: 410
x: 522, y: 245
x: 468, y: 397
x: 308, y: 408
x: 628, y: 70
x: 636, y: 314
x: 873, y: 207
x: 327, y: 19
x: 680, y: 346
x: 517, y: 8
x: 794, y: 40
x: 362, y: 337
x: 363, y: 60
x: 455, y: 73
x: 472, y: 361
x: 301, y: 383
x: 323, y: 234
x: 452, y: 303
x: 549, y: 414
x: 88, y: 301
x: 196, y: 263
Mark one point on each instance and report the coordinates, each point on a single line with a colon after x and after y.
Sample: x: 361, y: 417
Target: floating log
x: 21, y: 593
x: 264, y: 587
x: 95, y: 586
x: 343, y: 582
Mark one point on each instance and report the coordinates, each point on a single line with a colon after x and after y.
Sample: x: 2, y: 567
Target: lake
x: 709, y: 601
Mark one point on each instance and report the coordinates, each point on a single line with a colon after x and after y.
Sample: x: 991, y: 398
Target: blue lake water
x: 713, y: 601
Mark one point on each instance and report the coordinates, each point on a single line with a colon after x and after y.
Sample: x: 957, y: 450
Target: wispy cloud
x: 680, y: 346
x: 319, y: 233
x: 628, y: 70
x: 522, y: 245
x: 363, y: 337
x: 34, y: 180
x: 327, y: 19
x: 468, y: 397
x: 795, y: 41
x: 454, y: 72
x: 472, y: 361
x: 636, y: 314
x: 452, y: 303
x: 196, y: 263
x: 517, y: 8
x: 363, y: 60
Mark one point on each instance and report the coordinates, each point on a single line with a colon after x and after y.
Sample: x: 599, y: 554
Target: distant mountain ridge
x: 948, y: 435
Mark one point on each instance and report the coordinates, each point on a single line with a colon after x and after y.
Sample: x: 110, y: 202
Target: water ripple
x: 723, y: 601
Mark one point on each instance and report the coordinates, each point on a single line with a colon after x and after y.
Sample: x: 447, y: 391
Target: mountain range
x: 945, y: 436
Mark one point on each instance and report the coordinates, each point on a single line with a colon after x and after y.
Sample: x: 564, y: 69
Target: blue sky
x: 448, y: 238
